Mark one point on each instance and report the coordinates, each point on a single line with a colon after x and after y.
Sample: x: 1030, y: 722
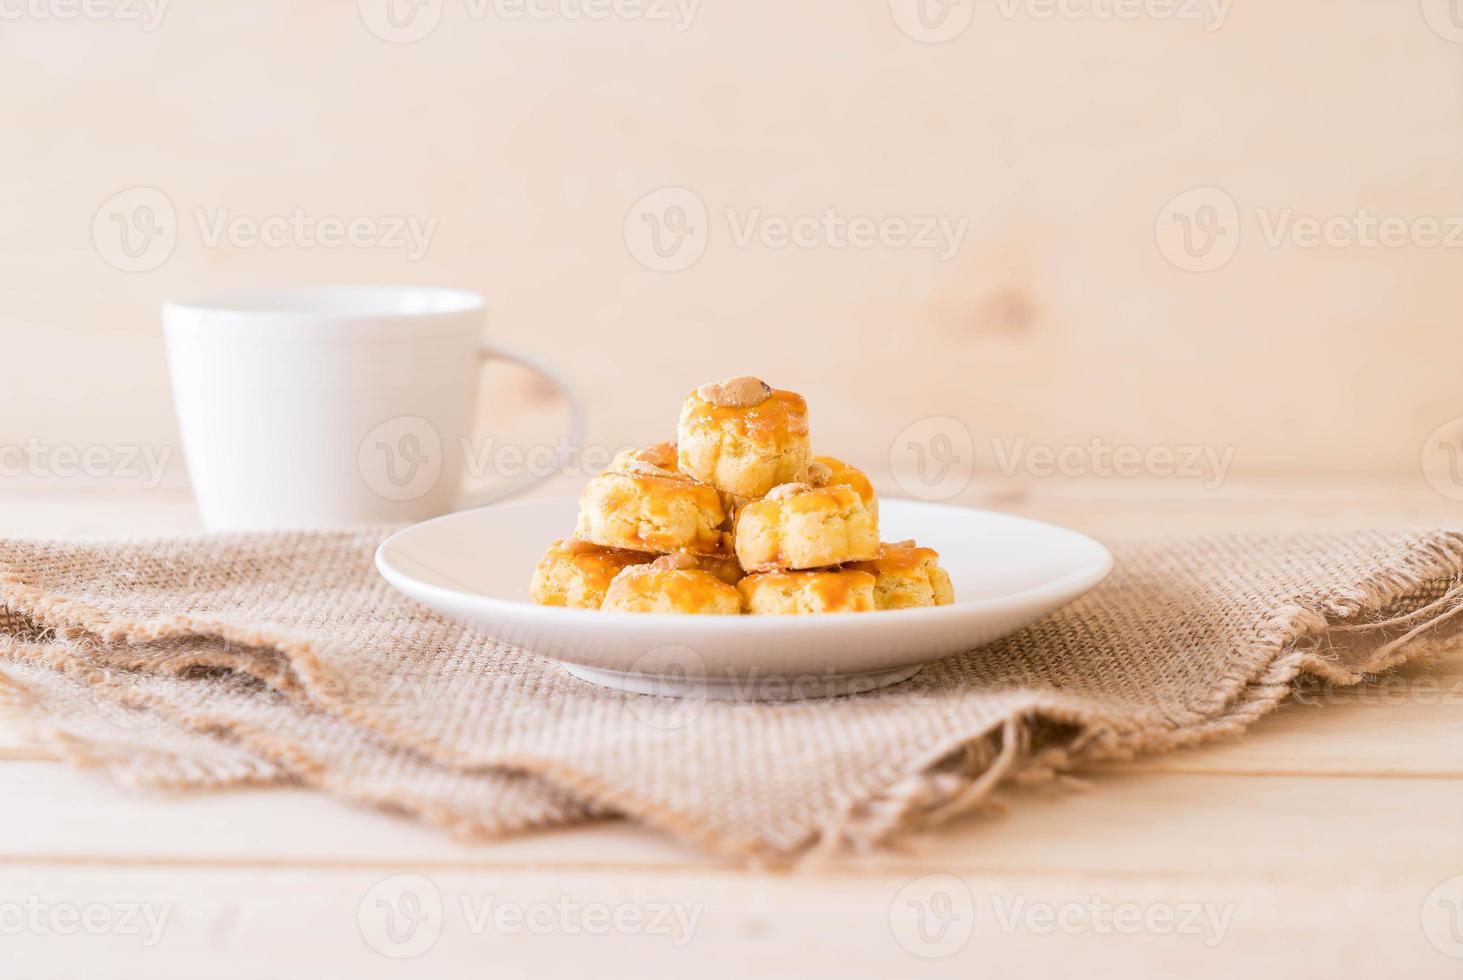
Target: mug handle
x: 569, y: 444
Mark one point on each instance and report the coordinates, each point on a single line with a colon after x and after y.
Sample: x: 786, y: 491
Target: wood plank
x: 1143, y: 824
x: 1199, y: 826
x: 50, y: 814
x: 15, y: 745
x: 545, y: 925
x: 1112, y: 507
x: 1406, y: 724
x: 95, y: 512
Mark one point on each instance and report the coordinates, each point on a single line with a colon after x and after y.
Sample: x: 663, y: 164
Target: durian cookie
x: 650, y: 513
x: 828, y: 471
x: 576, y: 573
x: 672, y: 584
x: 743, y: 437
x: 807, y: 593
x: 656, y: 460
x: 801, y: 526
x: 907, y: 576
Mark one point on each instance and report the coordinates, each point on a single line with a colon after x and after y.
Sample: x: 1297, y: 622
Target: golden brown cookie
x: 827, y: 471
x: 743, y: 437
x: 656, y: 460
x: 907, y: 576
x: 576, y: 573
x: 672, y: 584
x: 805, y: 593
x: 650, y: 513
x: 801, y: 526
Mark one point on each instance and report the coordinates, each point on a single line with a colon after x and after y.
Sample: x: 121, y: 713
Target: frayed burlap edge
x: 279, y: 761
x: 960, y: 777
x: 150, y: 770
x: 1039, y: 741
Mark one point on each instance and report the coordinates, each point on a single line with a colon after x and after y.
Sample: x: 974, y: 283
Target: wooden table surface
x: 1327, y: 841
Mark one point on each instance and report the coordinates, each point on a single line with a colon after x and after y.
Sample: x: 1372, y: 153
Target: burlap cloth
x: 284, y: 658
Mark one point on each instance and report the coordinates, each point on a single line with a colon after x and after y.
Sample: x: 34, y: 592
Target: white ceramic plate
x: 1008, y: 572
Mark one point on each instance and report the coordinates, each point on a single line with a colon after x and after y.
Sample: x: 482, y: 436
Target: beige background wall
x: 1062, y: 317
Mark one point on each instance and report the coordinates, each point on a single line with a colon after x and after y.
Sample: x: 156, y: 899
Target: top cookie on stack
x: 739, y: 492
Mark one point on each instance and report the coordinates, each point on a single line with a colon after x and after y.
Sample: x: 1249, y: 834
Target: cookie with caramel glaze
x: 907, y: 576
x: 672, y: 584
x: 807, y: 593
x: 801, y: 526
x: 743, y: 437
x: 828, y: 471
x: 576, y: 573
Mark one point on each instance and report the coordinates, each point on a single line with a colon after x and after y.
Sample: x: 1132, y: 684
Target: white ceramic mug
x: 328, y: 406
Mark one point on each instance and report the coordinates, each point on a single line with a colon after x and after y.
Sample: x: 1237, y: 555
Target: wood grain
x: 1320, y: 834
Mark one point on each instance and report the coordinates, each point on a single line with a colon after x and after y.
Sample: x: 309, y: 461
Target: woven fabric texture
x: 284, y: 658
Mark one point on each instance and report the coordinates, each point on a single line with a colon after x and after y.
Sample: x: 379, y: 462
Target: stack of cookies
x: 736, y: 516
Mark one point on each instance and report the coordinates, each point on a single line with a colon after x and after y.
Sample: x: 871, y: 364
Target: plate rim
x: 1060, y: 590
